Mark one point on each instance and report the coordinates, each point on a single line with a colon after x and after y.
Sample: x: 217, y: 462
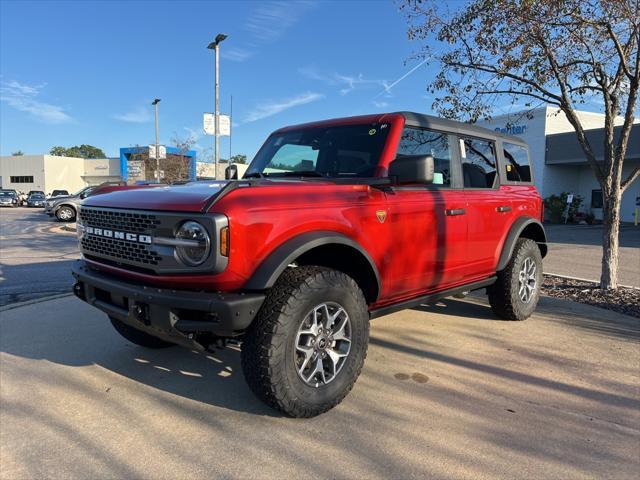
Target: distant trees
x: 17, y: 153
x: 239, y: 159
x: 79, y: 151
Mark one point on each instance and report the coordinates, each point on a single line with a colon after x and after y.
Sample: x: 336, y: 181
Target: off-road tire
x: 268, y: 350
x: 503, y: 295
x: 65, y: 208
x: 138, y: 336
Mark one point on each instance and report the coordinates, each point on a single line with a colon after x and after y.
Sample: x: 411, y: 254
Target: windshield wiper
x: 303, y: 173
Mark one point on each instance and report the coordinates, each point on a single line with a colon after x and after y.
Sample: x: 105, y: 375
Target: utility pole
x: 215, y: 45
x: 155, y: 103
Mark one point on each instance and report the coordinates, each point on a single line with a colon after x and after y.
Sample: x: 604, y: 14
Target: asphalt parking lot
x: 447, y: 391
x: 35, y: 256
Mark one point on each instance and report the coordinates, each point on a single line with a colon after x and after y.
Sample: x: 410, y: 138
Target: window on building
x: 596, y: 198
x: 517, y: 165
x: 478, y: 163
x: 22, y: 179
x: 415, y: 141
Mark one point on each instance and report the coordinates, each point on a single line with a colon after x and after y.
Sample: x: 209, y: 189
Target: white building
x: 557, y: 160
x: 49, y: 172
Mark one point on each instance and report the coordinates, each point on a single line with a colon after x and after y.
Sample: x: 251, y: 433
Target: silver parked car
x: 8, y: 198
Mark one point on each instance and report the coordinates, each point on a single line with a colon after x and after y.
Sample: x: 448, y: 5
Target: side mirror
x: 231, y: 172
x: 412, y: 169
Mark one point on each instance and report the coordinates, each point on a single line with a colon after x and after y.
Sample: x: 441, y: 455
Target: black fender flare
x: 514, y: 233
x: 271, y: 268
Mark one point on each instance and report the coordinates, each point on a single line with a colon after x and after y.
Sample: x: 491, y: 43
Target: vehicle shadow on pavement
x: 89, y: 339
x: 585, y: 317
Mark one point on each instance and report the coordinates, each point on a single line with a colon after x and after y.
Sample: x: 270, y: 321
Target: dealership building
x: 558, y: 162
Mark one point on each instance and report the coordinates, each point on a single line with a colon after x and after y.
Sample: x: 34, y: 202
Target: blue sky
x: 85, y: 72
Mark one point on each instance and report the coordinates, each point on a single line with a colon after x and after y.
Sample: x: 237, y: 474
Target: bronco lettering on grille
x: 131, y: 237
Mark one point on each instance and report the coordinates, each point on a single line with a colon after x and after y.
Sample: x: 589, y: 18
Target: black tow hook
x: 141, y: 313
x: 78, y: 291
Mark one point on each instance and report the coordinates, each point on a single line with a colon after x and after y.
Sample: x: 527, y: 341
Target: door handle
x: 455, y: 211
x: 503, y: 208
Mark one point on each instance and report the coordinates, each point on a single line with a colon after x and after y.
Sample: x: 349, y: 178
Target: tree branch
x: 635, y: 173
x: 619, y: 49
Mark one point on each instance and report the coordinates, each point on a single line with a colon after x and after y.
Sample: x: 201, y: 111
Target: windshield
x: 84, y: 190
x: 332, y: 152
x: 7, y: 194
x: 36, y: 196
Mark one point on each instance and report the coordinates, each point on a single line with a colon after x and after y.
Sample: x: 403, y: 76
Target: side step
x: 432, y: 297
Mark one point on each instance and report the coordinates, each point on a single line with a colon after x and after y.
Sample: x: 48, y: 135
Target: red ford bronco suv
x: 334, y: 223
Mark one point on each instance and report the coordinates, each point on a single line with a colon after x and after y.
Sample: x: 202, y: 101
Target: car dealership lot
x: 447, y: 390
x: 35, y: 257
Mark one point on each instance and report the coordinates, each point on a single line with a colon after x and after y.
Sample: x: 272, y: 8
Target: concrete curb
x: 567, y: 277
x: 26, y: 303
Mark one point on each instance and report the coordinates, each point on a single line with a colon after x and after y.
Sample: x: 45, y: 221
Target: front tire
x: 66, y: 214
x: 138, y: 336
x: 306, y: 347
x: 516, y: 292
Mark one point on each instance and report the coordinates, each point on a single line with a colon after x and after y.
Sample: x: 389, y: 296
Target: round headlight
x: 194, y: 243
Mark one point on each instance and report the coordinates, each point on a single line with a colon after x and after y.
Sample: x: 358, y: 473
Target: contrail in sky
x: 388, y: 88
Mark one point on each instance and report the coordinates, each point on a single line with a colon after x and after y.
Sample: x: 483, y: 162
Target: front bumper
x: 177, y: 316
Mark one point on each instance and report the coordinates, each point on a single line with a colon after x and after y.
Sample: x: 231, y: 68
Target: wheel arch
x: 523, y: 227
x: 322, y: 248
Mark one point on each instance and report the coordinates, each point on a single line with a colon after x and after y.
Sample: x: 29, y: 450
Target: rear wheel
x: 307, y: 345
x: 515, y: 294
x: 66, y: 214
x: 138, y: 336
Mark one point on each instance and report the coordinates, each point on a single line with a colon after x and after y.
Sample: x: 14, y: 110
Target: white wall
x: 63, y: 173
x: 23, y: 165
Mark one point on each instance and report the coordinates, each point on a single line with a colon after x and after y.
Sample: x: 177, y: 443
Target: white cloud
x: 268, y: 109
x: 270, y: 20
x: 380, y: 104
x: 346, y: 83
x: 138, y: 115
x: 25, y: 99
x: 235, y: 54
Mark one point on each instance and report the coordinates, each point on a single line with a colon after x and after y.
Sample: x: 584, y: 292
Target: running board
x: 432, y: 297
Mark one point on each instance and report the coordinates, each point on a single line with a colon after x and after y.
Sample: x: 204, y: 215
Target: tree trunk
x: 610, y: 240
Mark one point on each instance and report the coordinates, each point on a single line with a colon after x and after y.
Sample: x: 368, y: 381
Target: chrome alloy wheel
x: 65, y: 213
x: 323, y: 343
x: 527, y: 280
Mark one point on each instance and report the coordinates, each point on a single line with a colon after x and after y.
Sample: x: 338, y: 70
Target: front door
x: 428, y: 222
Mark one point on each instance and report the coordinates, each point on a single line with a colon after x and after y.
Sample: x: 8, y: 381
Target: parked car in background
x: 36, y: 200
x: 65, y: 208
x: 8, y: 198
x: 58, y: 193
x: 24, y: 197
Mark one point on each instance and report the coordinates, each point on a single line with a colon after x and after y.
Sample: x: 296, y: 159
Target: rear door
x: 427, y: 221
x: 489, y: 205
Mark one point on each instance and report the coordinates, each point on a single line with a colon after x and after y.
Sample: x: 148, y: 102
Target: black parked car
x: 36, y: 200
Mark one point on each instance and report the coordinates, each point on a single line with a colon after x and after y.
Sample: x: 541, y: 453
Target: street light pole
x: 155, y: 103
x: 215, y: 45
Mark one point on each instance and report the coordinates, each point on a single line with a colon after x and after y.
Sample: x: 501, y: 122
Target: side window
x: 415, y: 141
x: 517, y: 165
x: 478, y: 163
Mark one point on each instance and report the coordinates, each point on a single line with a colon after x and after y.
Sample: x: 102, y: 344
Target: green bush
x: 555, y: 205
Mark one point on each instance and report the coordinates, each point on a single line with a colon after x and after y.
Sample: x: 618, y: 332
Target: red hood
x: 192, y: 197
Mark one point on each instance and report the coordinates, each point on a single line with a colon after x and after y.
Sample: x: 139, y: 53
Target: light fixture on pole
x: 215, y: 45
x: 155, y: 103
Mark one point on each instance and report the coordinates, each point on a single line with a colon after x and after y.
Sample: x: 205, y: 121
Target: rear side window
x: 516, y: 163
x: 415, y: 141
x: 478, y: 163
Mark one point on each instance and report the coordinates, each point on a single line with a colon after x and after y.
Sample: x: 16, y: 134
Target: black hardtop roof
x: 414, y: 119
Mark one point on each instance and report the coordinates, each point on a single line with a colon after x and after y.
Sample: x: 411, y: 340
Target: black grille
x: 120, y: 249
x: 122, y: 221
